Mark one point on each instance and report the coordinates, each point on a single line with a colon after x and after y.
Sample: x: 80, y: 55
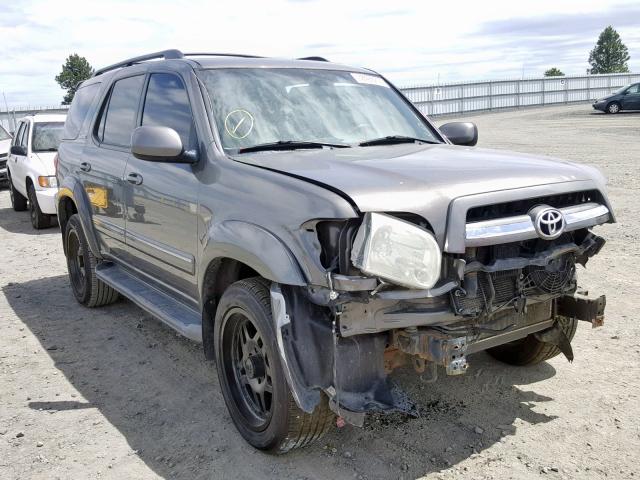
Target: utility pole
x: 6, y: 107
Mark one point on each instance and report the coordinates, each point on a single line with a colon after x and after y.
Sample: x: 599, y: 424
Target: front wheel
x: 530, y: 350
x: 39, y: 220
x: 81, y: 263
x: 613, y: 107
x: 251, y: 376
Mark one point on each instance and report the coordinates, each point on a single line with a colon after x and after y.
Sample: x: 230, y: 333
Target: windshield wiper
x: 394, y: 140
x: 289, y: 145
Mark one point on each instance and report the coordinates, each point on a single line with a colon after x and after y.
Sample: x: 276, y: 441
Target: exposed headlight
x: 397, y: 251
x: 47, y: 182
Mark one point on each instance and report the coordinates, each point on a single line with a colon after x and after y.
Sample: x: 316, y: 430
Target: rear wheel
x: 530, y: 350
x: 251, y: 375
x: 613, y: 107
x: 18, y: 201
x: 81, y: 263
x: 39, y: 220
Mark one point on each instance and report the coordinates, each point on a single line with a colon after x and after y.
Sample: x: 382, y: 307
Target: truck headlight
x: 397, y: 251
x: 48, y: 182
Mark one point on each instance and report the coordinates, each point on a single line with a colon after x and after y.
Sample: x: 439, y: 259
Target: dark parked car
x: 314, y: 231
x: 627, y: 98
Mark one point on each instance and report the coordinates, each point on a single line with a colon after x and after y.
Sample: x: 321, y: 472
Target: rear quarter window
x: 80, y: 107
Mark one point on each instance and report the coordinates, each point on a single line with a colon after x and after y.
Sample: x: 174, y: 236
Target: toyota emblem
x: 549, y: 223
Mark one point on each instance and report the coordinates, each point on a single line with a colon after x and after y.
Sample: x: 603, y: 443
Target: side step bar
x: 177, y: 315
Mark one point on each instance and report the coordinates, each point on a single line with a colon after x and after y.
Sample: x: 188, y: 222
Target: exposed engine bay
x: 365, y: 325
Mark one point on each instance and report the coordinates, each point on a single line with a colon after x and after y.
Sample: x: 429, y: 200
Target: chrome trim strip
x: 520, y: 227
x: 161, y: 251
x: 109, y: 228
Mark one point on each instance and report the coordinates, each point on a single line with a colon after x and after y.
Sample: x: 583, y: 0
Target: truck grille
x: 521, y: 207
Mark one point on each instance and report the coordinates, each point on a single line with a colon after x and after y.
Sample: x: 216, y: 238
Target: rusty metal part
x: 434, y: 346
x: 581, y: 307
x: 394, y: 358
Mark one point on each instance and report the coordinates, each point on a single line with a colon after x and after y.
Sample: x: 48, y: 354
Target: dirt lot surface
x: 112, y: 393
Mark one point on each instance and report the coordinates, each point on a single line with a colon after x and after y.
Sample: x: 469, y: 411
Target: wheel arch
x: 72, y: 199
x: 236, y: 250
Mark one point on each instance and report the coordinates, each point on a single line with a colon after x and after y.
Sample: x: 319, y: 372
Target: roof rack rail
x: 209, y: 54
x: 165, y: 54
x: 315, y: 59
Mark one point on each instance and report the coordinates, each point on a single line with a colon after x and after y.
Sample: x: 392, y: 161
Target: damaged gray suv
x: 308, y: 225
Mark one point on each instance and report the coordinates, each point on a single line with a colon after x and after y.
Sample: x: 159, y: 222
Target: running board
x: 177, y: 315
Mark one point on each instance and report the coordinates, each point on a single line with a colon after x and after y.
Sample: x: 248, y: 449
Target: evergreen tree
x: 610, y: 55
x: 75, y: 70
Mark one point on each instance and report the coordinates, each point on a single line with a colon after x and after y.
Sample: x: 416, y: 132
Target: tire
x: 18, y: 201
x: 248, y: 365
x: 530, y: 350
x: 613, y: 108
x: 39, y: 220
x: 81, y: 263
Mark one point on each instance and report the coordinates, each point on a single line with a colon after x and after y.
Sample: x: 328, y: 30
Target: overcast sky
x: 411, y: 42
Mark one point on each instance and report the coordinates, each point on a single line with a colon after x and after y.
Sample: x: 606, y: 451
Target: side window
x: 82, y: 101
x: 634, y: 88
x: 24, y: 138
x: 18, y: 135
x: 167, y: 105
x: 118, y: 116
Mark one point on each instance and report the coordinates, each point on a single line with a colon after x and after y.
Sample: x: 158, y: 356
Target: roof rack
x: 165, y: 54
x: 315, y: 59
x: 207, y: 54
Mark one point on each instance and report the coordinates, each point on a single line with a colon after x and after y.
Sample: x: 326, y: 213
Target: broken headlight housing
x: 397, y: 251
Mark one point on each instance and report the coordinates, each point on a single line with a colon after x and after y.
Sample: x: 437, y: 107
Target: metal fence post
x: 490, y: 96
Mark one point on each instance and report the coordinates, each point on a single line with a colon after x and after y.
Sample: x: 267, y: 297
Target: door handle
x: 134, y: 178
x: 85, y: 166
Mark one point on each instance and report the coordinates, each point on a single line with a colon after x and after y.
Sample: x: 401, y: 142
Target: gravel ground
x: 112, y: 393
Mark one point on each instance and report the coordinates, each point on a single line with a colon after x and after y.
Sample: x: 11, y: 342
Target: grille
x: 521, y: 207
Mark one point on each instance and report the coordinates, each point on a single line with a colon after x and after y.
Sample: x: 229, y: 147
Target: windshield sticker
x: 369, y: 79
x: 238, y: 123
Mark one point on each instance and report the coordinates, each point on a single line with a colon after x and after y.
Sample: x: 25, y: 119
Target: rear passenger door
x: 162, y: 197
x: 105, y: 160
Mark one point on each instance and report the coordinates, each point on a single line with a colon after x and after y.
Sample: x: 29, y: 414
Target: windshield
x: 3, y: 134
x: 254, y: 106
x: 46, y: 136
x: 620, y: 90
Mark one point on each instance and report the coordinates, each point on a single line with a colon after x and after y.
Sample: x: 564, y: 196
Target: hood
x: 5, y: 146
x: 426, y: 179
x: 405, y: 177
x: 46, y: 160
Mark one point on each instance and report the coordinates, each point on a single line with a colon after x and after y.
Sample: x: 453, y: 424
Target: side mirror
x: 461, y: 133
x: 18, y: 150
x: 159, y: 144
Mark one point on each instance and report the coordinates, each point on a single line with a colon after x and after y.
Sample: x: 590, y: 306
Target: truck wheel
x: 81, y: 263
x: 253, y: 382
x: 18, y: 201
x: 530, y: 350
x: 613, y: 107
x: 39, y: 220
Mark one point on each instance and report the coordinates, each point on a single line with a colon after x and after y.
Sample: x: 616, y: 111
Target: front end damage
x: 344, y: 338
